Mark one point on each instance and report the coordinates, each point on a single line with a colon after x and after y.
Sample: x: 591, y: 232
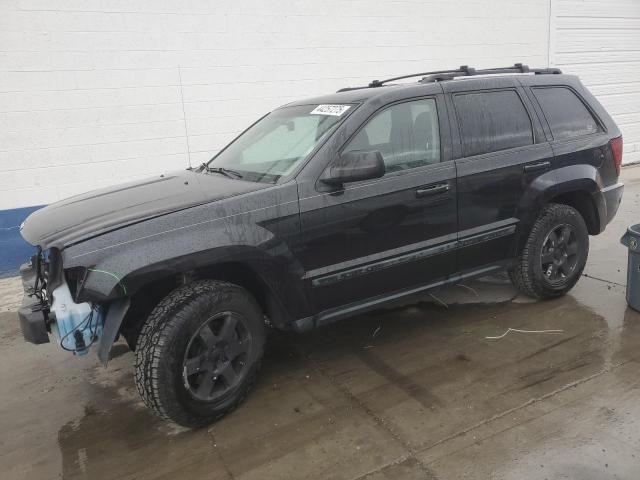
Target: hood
x: 99, y: 211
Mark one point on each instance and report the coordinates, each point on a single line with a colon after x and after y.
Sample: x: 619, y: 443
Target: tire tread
x: 523, y: 274
x: 161, y: 325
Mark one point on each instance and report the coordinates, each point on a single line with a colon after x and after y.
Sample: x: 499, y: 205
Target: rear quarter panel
x: 579, y: 164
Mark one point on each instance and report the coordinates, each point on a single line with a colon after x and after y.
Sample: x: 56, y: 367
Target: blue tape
x: 14, y: 250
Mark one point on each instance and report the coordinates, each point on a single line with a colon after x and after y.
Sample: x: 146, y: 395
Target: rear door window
x: 492, y: 121
x: 568, y: 117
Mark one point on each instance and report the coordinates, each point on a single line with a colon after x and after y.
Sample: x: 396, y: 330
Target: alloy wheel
x: 215, y: 361
x: 559, y: 254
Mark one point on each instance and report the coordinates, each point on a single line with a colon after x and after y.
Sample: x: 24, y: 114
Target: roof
x: 349, y: 96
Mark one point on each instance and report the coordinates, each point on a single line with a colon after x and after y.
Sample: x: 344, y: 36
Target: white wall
x: 600, y: 41
x: 94, y: 92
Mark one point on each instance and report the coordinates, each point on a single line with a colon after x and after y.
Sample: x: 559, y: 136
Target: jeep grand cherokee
x: 322, y: 209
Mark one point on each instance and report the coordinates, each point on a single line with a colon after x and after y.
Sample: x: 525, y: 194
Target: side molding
x: 468, y: 238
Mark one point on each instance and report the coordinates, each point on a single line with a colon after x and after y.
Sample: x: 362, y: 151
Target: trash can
x: 631, y: 240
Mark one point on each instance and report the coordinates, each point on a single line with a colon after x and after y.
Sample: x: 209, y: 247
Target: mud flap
x: 117, y: 311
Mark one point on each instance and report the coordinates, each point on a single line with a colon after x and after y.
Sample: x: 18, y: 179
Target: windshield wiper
x: 227, y: 172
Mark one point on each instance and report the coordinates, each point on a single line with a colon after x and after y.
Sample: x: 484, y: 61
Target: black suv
x: 322, y: 209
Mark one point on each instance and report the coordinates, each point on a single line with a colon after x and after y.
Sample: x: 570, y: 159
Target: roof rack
x: 466, y: 71
x: 463, y: 71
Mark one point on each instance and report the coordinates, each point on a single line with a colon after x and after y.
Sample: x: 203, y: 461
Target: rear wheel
x: 199, y: 352
x: 554, y: 254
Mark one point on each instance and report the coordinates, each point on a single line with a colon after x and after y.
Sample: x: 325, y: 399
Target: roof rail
x: 466, y: 71
x: 379, y: 83
x: 463, y: 71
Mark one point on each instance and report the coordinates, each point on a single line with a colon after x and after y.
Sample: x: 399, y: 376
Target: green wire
x: 124, y: 289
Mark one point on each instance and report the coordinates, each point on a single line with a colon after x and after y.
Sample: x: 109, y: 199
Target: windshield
x: 277, y: 143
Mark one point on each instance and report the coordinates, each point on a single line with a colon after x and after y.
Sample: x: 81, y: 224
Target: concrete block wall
x: 599, y: 41
x: 97, y: 92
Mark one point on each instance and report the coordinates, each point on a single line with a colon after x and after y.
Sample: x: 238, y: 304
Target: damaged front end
x: 48, y: 307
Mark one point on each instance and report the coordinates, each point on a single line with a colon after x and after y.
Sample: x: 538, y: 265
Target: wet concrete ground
x: 416, y: 392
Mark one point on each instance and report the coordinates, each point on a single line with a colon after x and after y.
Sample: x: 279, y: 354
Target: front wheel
x: 199, y: 352
x: 554, y: 254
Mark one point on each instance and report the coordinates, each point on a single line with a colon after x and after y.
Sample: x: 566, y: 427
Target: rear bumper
x: 612, y: 197
x: 32, y: 313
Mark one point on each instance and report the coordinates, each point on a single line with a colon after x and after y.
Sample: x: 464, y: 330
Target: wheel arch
x: 580, y: 187
x: 584, y: 203
x: 576, y: 185
x: 154, y: 285
x: 251, y: 279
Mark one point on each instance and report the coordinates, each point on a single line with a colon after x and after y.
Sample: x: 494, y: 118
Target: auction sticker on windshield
x: 335, y: 110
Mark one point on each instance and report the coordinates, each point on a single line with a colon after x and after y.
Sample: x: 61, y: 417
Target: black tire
x: 532, y: 275
x: 175, y: 328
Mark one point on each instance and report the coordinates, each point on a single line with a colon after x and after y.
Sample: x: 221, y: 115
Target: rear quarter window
x: 567, y: 115
x: 492, y: 121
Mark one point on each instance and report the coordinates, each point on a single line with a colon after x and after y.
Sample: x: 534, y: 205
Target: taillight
x: 616, y: 148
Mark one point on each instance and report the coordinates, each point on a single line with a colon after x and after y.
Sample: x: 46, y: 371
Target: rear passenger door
x: 501, y: 150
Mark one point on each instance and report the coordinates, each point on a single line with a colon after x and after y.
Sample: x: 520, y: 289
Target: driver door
x: 383, y: 237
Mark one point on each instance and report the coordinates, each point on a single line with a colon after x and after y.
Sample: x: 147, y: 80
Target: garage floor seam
x: 212, y: 439
x: 410, y: 452
x: 524, y: 405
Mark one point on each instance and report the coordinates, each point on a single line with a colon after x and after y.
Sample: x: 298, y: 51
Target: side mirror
x: 355, y: 166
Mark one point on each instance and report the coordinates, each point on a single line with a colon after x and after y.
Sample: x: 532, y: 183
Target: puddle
x: 412, y: 375
x: 118, y: 438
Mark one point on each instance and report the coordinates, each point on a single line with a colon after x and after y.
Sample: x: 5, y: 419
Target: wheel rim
x: 215, y: 361
x: 559, y: 254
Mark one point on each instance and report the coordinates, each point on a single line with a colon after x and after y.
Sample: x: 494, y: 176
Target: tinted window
x: 406, y: 134
x: 565, y: 112
x: 492, y: 121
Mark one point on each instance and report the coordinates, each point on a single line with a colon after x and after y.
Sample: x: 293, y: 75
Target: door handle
x: 433, y: 190
x: 534, y: 167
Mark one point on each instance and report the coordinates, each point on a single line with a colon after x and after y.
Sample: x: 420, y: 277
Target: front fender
x: 122, y: 269
x: 256, y: 229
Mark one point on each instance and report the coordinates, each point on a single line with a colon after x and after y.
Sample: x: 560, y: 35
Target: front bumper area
x: 32, y: 313
x: 32, y: 321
